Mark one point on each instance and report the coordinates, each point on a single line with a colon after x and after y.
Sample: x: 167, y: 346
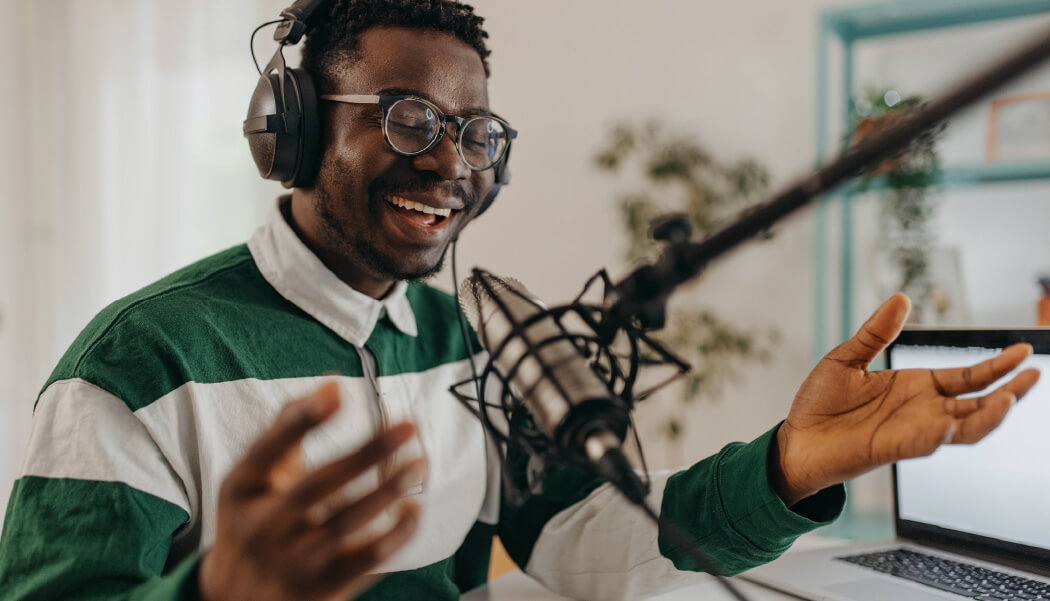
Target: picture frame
x: 1019, y: 128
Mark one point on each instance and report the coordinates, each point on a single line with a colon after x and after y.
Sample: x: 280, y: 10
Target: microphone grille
x: 476, y: 302
x: 470, y: 301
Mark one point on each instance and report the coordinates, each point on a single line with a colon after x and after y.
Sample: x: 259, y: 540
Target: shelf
x: 889, y: 18
x: 965, y: 175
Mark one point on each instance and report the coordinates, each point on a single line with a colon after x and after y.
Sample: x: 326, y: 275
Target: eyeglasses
x: 413, y: 126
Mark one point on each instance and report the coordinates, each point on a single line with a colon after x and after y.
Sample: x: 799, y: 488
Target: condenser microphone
x: 546, y: 367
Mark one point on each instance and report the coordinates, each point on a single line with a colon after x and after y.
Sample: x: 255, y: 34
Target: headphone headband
x: 292, y: 28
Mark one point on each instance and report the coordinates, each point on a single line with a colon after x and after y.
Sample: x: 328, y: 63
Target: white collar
x: 299, y: 276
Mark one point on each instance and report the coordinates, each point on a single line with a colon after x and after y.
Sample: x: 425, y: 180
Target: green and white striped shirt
x: 164, y: 390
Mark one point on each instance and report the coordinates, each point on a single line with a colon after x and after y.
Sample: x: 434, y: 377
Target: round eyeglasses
x: 413, y: 126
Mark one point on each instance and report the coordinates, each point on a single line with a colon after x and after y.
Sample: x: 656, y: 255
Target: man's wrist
x: 780, y: 475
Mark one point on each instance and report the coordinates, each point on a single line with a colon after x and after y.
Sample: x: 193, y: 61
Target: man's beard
x: 363, y: 249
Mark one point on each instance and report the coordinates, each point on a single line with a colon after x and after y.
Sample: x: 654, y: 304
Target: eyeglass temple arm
x: 352, y: 98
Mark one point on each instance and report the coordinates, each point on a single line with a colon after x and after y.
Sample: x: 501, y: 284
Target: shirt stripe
x: 82, y: 432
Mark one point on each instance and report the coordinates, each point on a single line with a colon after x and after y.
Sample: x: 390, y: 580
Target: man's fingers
x: 993, y: 407
x: 293, y: 422
x: 1022, y: 382
x: 978, y: 424
x: 326, y: 479
x: 908, y: 443
x: 355, y: 515
x: 364, y: 558
x: 961, y: 380
x: 1019, y: 385
x: 957, y: 407
x: 876, y: 333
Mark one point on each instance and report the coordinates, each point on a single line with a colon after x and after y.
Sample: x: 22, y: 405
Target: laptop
x: 972, y: 522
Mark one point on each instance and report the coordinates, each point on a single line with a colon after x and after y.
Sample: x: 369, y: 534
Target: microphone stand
x: 642, y: 295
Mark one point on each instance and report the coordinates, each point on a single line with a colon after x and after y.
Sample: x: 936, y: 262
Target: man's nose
x: 444, y: 160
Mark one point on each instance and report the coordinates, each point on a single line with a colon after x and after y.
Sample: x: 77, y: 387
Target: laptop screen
x: 998, y: 488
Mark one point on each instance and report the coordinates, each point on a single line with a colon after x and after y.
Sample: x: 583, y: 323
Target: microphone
x: 568, y: 401
x: 549, y: 369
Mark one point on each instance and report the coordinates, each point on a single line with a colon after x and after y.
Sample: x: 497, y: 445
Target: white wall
x: 737, y: 74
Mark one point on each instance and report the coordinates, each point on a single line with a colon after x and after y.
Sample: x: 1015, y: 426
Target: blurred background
x: 122, y: 160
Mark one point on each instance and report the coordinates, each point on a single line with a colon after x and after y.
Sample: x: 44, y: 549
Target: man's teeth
x: 405, y: 203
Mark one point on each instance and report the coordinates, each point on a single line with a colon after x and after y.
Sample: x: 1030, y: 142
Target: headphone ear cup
x: 309, y: 141
x: 288, y: 155
x: 289, y: 140
x: 274, y: 148
x: 263, y: 139
x: 502, y: 173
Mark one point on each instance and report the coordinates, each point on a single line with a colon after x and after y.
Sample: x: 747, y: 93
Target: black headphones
x: 283, y: 125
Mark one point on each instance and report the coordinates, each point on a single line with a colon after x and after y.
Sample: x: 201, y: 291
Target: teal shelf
x: 966, y: 175
x: 889, y: 18
x: 995, y: 173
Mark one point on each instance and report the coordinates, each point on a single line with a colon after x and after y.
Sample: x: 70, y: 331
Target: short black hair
x: 333, y: 33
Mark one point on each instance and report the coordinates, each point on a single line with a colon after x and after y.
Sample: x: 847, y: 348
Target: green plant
x: 906, y: 209
x: 677, y: 174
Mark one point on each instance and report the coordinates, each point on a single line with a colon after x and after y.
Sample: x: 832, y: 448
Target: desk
x: 516, y: 586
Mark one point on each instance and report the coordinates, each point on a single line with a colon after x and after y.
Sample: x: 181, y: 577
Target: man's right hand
x: 271, y: 544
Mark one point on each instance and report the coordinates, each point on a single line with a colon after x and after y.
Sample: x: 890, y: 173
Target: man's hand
x: 272, y: 543
x: 846, y: 420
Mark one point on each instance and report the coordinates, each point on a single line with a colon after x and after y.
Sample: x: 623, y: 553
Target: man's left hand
x: 846, y: 420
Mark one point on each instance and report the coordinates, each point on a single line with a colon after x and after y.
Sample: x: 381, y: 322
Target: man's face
x: 361, y: 179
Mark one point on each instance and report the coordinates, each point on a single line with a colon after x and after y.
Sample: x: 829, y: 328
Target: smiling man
x: 390, y: 195
x: 170, y: 459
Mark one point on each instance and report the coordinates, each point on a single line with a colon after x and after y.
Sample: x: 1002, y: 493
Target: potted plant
x: 678, y: 175
x: 906, y: 232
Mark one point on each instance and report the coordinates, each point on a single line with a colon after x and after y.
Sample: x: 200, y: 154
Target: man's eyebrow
x: 471, y: 110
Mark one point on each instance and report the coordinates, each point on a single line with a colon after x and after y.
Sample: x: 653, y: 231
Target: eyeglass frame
x: 387, y: 102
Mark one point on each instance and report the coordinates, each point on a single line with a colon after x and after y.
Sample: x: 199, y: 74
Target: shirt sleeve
x: 582, y: 539
x: 95, y: 509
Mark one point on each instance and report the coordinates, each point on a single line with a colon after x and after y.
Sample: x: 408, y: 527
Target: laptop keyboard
x: 955, y: 577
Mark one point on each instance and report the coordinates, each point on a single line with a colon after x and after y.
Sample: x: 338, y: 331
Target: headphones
x: 283, y: 125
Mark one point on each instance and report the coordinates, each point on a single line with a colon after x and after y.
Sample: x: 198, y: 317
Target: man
x: 168, y: 461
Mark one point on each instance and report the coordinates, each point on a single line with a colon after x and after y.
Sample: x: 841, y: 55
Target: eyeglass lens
x: 412, y: 126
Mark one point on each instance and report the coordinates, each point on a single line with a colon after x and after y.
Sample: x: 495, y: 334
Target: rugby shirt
x: 164, y: 390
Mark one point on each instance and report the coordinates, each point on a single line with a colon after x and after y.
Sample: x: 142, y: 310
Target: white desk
x: 516, y: 586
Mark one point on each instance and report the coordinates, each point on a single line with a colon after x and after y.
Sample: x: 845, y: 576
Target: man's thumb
x: 876, y: 333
